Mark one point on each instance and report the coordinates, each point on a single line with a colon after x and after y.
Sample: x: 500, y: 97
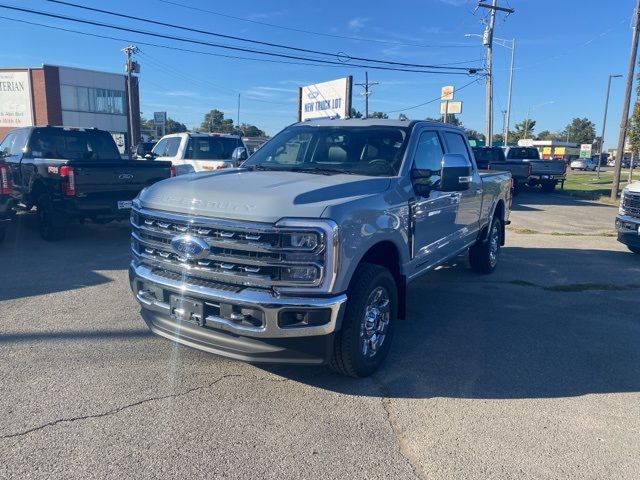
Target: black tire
x: 52, y: 224
x: 633, y: 249
x: 353, y: 354
x: 483, y: 256
x: 548, y: 186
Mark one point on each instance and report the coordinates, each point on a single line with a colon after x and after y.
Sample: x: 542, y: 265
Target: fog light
x: 304, y: 318
x: 300, y: 274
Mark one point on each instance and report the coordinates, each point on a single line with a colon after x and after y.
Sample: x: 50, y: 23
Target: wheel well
x: 386, y: 255
x: 499, y: 212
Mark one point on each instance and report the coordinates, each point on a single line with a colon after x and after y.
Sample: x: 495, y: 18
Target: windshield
x: 212, y: 148
x: 372, y: 151
x: 528, y: 153
x: 484, y: 156
x: 73, y: 144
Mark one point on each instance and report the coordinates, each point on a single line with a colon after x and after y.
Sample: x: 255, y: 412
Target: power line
x: 339, y: 55
x: 229, y: 47
x: 457, y: 89
x: 310, y: 32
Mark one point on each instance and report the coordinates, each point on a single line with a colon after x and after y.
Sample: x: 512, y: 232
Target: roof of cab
x: 370, y: 122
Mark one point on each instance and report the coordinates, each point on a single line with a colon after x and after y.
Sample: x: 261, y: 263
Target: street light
x: 504, y: 43
x: 604, y: 121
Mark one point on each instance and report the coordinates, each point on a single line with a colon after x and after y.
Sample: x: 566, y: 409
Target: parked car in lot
x: 6, y: 200
x: 492, y: 158
x: 546, y: 173
x: 304, y: 254
x: 143, y: 149
x: 198, y: 152
x: 74, y: 173
x: 584, y: 164
x: 628, y: 218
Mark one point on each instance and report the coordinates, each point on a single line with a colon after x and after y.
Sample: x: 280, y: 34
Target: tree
x: 173, y: 126
x: 355, y: 113
x: 523, y: 130
x: 547, y: 135
x: 633, y: 130
x: 579, y: 130
x: 475, y: 135
x: 251, y: 131
x: 378, y: 115
x: 498, y: 138
x: 214, y: 121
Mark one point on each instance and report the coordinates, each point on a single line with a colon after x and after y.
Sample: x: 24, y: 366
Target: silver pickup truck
x: 628, y: 218
x: 304, y: 254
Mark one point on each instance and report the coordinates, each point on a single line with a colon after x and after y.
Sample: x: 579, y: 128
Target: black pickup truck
x: 492, y: 158
x: 74, y: 173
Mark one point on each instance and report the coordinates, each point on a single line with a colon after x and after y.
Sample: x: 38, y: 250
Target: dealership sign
x: 15, y: 100
x: 325, y: 100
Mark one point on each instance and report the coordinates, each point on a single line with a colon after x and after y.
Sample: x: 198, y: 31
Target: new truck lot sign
x: 330, y: 99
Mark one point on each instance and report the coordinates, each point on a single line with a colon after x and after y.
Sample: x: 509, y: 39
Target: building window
x: 95, y: 100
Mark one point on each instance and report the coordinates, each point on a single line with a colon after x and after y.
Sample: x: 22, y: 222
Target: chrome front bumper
x: 145, y: 284
x: 626, y: 224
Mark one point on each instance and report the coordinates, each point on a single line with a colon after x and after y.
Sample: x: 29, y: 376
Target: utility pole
x: 504, y: 126
x: 604, y: 121
x: 366, y: 92
x: 625, y: 105
x: 238, y: 112
x: 506, y: 129
x: 131, y: 66
x: 487, y: 40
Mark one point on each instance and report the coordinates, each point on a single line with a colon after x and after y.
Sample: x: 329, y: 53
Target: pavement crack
x: 403, y: 449
x: 117, y: 410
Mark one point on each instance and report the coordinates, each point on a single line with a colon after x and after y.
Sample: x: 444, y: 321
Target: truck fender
x: 484, y: 231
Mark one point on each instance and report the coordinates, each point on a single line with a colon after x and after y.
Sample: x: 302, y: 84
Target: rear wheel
x: 52, y: 224
x: 369, y: 321
x: 548, y: 186
x: 483, y: 256
x: 634, y: 249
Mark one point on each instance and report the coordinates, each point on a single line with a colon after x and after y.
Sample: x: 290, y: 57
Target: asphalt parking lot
x: 533, y: 372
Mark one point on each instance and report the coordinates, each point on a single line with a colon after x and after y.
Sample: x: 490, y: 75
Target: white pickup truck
x: 628, y: 219
x: 197, y: 152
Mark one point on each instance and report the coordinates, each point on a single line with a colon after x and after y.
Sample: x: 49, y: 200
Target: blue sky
x: 565, y: 51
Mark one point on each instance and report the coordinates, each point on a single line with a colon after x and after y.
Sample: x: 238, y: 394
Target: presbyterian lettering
x: 11, y: 86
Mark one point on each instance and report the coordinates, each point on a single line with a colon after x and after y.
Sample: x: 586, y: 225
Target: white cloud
x: 357, y: 23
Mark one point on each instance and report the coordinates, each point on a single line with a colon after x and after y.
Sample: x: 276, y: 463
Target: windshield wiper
x: 322, y: 170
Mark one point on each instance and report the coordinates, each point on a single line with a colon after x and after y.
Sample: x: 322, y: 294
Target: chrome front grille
x: 631, y: 204
x: 239, y: 253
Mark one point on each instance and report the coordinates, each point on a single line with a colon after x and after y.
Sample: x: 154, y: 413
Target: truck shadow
x: 506, y: 337
x: 30, y: 266
x: 534, y: 196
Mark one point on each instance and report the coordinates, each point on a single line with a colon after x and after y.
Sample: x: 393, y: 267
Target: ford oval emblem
x: 190, y: 247
x: 125, y: 176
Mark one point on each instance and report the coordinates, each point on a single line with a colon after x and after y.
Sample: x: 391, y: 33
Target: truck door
x: 467, y: 222
x: 433, y: 217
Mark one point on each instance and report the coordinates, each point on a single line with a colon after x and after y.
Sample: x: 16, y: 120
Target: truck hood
x: 634, y: 187
x: 259, y: 196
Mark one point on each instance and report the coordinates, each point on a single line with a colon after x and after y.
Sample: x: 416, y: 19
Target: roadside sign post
x: 160, y: 123
x: 585, y: 150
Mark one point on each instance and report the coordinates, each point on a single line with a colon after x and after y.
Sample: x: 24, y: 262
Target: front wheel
x: 369, y: 320
x: 483, y: 256
x: 633, y: 249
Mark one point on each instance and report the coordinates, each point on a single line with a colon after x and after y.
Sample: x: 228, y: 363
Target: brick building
x: 70, y: 97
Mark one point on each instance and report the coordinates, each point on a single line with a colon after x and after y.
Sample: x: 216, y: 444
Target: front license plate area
x: 125, y: 204
x: 187, y: 310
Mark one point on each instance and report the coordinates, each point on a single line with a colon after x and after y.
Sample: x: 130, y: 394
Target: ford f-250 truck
x: 546, y: 173
x: 628, y: 218
x: 73, y: 173
x: 304, y: 254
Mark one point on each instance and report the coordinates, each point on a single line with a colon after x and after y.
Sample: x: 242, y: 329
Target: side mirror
x: 456, y: 173
x: 239, y: 154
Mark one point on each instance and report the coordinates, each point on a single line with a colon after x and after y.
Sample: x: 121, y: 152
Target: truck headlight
x: 621, y: 207
x: 305, y: 241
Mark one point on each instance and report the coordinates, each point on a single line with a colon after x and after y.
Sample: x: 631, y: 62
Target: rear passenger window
x: 456, y: 143
x: 173, y: 144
